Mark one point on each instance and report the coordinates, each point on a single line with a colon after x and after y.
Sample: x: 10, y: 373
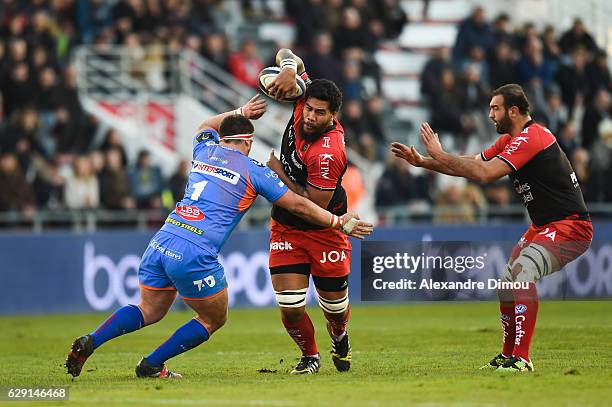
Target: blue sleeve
x: 204, y: 138
x: 266, y: 182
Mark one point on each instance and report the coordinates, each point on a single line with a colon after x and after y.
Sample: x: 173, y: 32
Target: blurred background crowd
x: 54, y: 155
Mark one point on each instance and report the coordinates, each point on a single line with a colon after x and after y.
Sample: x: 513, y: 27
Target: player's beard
x: 311, y: 137
x: 504, y: 125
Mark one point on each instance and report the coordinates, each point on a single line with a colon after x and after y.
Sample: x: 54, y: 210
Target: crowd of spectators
x: 55, y: 155
x: 566, y: 77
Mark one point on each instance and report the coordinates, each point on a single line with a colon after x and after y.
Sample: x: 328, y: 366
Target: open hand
x: 430, y: 140
x: 409, y: 154
x: 254, y: 108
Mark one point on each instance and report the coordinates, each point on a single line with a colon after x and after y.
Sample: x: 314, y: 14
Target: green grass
x: 425, y: 354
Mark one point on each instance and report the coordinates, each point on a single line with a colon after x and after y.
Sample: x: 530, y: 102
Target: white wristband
x: 239, y: 111
x: 288, y: 63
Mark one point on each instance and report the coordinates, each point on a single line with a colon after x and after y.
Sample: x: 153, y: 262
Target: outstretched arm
x: 415, y: 158
x: 252, y: 110
x: 320, y: 197
x: 348, y: 223
x: 474, y: 169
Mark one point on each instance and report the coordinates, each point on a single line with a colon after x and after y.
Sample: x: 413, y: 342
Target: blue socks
x: 186, y: 337
x: 125, y: 320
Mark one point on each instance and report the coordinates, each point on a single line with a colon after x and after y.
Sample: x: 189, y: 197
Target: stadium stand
x: 398, y: 62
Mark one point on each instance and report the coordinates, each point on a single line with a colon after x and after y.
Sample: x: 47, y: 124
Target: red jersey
x: 541, y: 174
x: 320, y: 164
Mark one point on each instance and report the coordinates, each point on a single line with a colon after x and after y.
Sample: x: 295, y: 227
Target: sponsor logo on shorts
x: 174, y: 255
x: 218, y: 172
x: 209, y: 280
x: 520, y: 309
x: 191, y: 213
x: 505, y: 317
x: 281, y: 246
x: 333, y: 256
x: 185, y: 226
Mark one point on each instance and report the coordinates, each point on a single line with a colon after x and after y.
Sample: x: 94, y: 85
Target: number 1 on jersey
x: 198, y: 187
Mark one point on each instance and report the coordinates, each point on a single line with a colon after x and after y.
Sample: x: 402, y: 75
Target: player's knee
x: 292, y: 315
x: 292, y: 304
x: 533, y: 263
x: 337, y: 306
x: 150, y: 315
x: 213, y: 321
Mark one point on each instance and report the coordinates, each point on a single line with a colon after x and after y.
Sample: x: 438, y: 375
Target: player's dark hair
x: 513, y: 96
x: 235, y: 124
x: 326, y: 90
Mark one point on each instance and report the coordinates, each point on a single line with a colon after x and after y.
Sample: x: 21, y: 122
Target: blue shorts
x: 173, y: 263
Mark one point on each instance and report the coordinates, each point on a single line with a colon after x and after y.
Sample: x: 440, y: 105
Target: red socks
x: 338, y: 328
x: 525, y: 314
x: 506, y: 309
x: 303, y: 334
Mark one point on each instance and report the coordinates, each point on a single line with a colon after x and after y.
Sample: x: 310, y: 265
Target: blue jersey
x: 222, y: 185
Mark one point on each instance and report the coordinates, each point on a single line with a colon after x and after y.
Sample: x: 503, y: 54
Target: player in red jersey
x: 312, y: 163
x: 541, y: 174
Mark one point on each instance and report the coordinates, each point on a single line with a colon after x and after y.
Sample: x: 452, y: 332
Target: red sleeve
x: 495, y: 149
x: 523, y: 147
x: 326, y: 161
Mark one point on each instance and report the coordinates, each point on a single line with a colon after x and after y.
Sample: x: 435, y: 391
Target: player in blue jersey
x: 182, y: 256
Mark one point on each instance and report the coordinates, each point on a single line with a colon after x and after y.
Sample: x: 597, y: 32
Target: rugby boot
x: 514, y: 365
x: 81, y: 349
x: 307, y: 365
x: 144, y: 369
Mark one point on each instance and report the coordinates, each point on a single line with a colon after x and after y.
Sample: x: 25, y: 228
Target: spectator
x: 474, y: 31
x: 552, y: 51
x: 459, y: 203
x: 113, y: 141
x: 501, y: 65
x: 115, y: 191
x: 178, y: 180
x: 392, y: 16
x: 598, y: 75
x: 352, y: 87
x: 575, y: 37
x: 309, y: 19
x: 215, y: 49
x: 501, y: 29
x: 92, y: 17
x: 573, y: 80
x: 554, y: 115
x: 567, y: 137
x: 432, y: 72
x: 593, y: 116
x: 399, y: 186
x: 82, y: 190
x: 533, y: 69
x: 16, y: 193
x: 245, y: 65
x: 321, y: 62
x: 48, y: 186
x: 351, y: 32
x: 146, y: 182
x: 352, y: 182
x: 447, y: 113
x: 18, y: 90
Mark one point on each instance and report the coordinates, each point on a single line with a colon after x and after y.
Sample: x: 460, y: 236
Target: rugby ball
x: 269, y: 74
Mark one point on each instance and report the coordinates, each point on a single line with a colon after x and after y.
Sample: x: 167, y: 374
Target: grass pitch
x: 423, y: 354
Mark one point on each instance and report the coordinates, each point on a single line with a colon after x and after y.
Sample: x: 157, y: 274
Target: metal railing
x: 89, y: 221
